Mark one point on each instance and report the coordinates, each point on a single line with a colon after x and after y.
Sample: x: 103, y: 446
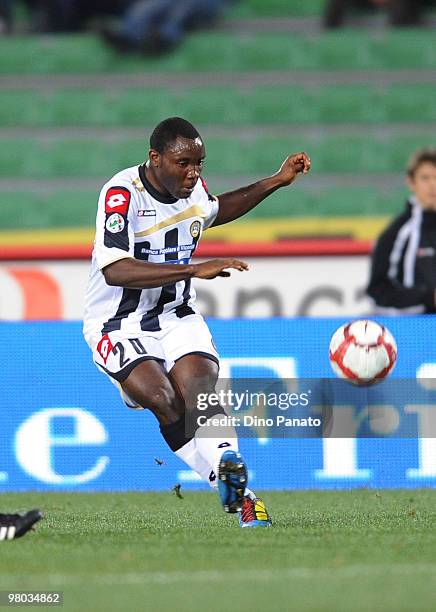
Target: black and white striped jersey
x: 134, y: 220
x: 403, y: 271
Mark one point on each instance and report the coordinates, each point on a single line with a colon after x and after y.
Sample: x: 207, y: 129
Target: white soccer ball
x: 362, y: 352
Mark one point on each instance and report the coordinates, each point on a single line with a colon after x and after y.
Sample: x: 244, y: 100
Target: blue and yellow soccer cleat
x: 254, y: 513
x: 232, y: 480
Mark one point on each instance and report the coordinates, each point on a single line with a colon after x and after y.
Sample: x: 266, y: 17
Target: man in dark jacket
x: 403, y: 273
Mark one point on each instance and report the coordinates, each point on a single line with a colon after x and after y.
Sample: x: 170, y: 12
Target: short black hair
x: 168, y: 131
x: 422, y: 156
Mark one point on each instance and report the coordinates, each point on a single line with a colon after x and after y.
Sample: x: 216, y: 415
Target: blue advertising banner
x: 64, y: 425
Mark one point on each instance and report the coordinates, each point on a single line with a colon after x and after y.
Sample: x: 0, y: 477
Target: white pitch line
x: 171, y: 577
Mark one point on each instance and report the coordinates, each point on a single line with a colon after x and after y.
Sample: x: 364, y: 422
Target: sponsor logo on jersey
x: 117, y: 200
x: 115, y: 223
x: 166, y: 250
x: 146, y: 213
x: 195, y: 229
x: 104, y: 347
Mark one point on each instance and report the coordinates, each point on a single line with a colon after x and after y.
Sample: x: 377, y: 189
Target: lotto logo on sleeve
x: 117, y: 200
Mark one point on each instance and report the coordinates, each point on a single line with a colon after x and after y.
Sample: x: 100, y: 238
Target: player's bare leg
x: 148, y: 385
x: 194, y: 374
x: 168, y: 397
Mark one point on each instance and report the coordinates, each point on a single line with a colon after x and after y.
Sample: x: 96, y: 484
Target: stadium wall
x: 317, y: 285
x: 65, y: 427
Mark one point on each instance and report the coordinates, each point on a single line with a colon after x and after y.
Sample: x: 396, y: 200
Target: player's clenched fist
x: 292, y: 166
x: 218, y: 267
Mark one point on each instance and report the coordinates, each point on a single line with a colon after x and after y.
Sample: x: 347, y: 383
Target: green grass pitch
x: 328, y: 551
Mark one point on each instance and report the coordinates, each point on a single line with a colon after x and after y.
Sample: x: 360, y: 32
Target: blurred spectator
x: 71, y: 15
x: 145, y: 26
x: 59, y: 15
x: 5, y: 16
x: 403, y: 274
x: 400, y: 12
x: 156, y: 26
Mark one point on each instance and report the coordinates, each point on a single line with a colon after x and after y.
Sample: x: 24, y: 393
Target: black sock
x: 174, y: 434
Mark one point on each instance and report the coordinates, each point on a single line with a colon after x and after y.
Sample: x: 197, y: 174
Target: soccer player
x: 141, y: 320
x: 14, y: 526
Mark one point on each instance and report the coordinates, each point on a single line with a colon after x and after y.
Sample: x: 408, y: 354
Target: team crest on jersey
x: 195, y: 229
x: 117, y: 200
x: 115, y: 223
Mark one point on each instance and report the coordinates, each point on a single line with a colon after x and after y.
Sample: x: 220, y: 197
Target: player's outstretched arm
x: 235, y: 204
x: 131, y: 273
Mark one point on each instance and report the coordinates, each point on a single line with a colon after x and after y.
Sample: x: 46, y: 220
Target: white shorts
x: 118, y: 353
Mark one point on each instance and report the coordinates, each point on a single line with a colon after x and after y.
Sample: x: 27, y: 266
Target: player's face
x: 423, y: 184
x: 179, y: 167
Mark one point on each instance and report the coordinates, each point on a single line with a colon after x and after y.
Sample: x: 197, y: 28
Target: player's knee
x: 162, y: 397
x: 198, y: 382
x: 199, y: 390
x: 164, y: 404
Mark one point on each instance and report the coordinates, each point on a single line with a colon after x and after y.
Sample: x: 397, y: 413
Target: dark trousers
x: 167, y: 19
x: 401, y: 12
